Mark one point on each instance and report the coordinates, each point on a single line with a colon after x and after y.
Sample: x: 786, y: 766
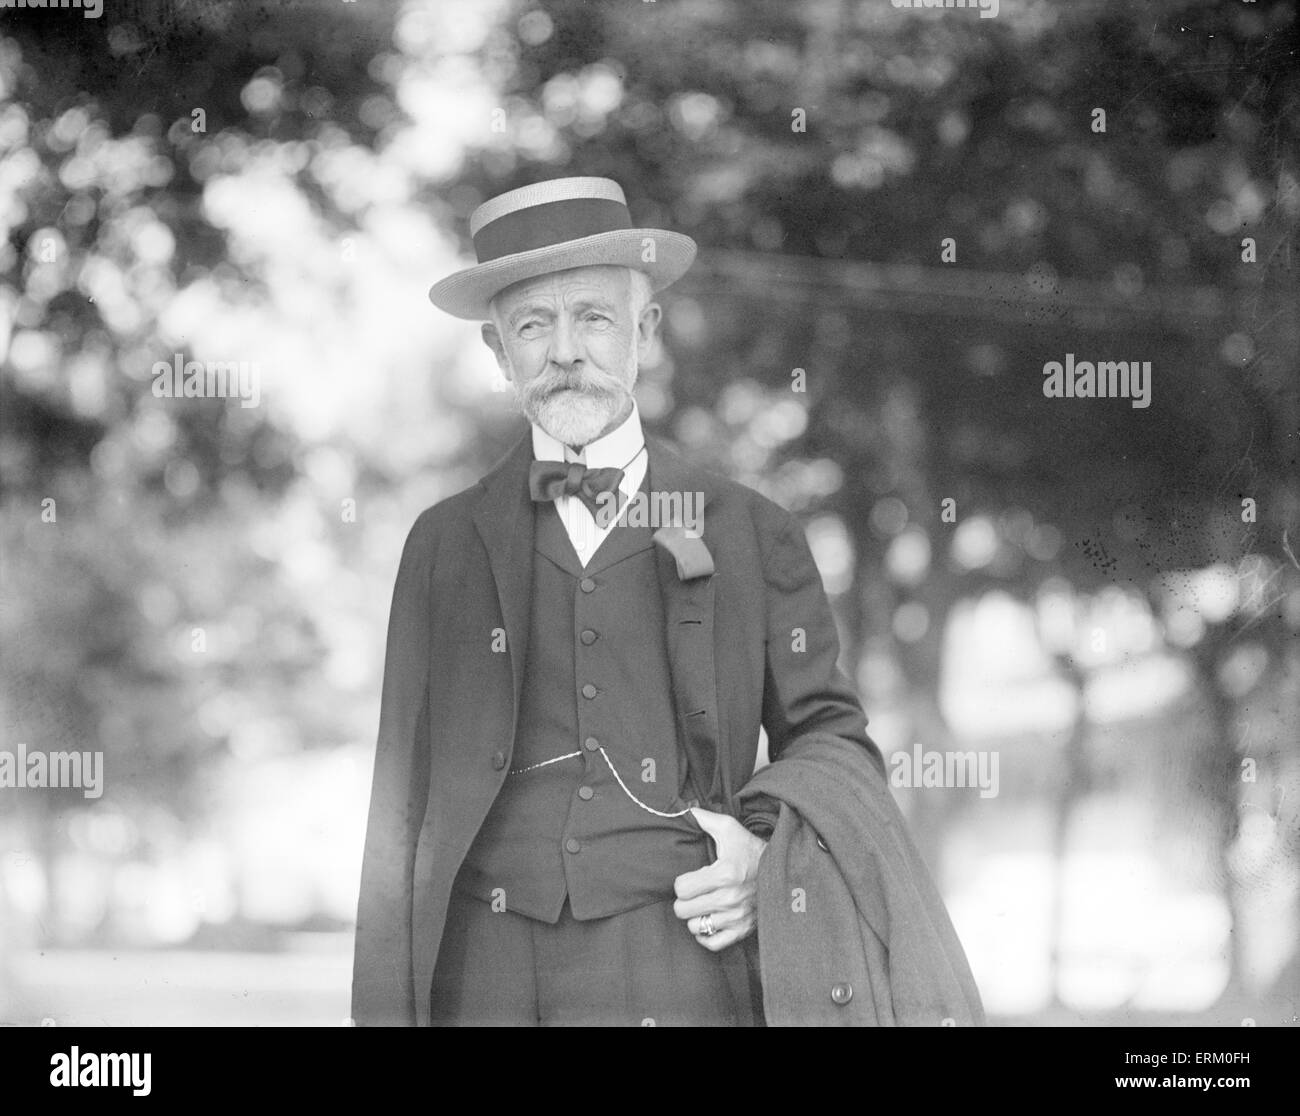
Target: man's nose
x: 566, y: 349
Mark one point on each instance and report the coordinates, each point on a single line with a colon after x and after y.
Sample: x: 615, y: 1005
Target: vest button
x: 842, y: 994
x: 591, y: 743
x: 585, y: 793
x: 571, y: 845
x: 588, y: 636
x: 498, y: 760
x: 587, y: 585
x: 589, y: 691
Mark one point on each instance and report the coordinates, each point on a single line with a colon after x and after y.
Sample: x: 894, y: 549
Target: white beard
x: 576, y: 416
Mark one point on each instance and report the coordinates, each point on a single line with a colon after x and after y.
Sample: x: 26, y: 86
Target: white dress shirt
x: 610, y: 451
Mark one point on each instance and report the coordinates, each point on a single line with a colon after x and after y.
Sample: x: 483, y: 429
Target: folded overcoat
x: 851, y: 928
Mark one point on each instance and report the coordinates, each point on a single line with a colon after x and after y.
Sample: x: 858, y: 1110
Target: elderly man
x: 565, y: 824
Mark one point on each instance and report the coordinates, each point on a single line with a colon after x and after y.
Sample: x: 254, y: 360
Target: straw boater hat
x: 551, y: 226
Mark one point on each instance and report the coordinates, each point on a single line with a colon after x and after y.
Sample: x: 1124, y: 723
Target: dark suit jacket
x: 752, y: 643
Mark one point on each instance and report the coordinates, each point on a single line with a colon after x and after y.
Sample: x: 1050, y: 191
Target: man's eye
x: 529, y: 329
x: 592, y: 316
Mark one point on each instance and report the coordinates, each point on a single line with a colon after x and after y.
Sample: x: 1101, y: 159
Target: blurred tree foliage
x: 1092, y: 174
x: 144, y: 610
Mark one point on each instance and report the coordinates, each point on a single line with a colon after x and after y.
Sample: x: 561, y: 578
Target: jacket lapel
x: 689, y: 625
x: 504, y: 520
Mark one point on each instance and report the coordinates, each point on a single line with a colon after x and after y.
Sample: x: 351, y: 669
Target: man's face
x: 570, y: 343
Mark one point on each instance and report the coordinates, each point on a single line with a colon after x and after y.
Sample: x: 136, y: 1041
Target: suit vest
x: 597, y: 683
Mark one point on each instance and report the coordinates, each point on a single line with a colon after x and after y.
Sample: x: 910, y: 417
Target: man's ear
x: 492, y: 339
x: 647, y: 326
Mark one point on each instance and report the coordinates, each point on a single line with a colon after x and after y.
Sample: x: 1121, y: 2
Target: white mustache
x: 565, y: 381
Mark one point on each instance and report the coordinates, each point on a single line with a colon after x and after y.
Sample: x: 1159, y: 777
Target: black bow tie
x: 549, y: 480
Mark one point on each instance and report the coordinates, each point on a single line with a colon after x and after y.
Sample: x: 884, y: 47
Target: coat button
x: 589, y: 691
x: 842, y: 994
x: 571, y: 845
x: 587, y: 585
x: 498, y: 760
x: 585, y: 793
x: 588, y: 637
x: 591, y: 743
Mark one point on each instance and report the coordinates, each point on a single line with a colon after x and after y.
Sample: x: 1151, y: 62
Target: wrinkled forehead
x: 597, y: 281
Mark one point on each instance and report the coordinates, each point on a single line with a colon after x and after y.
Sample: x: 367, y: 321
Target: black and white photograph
x: 650, y: 513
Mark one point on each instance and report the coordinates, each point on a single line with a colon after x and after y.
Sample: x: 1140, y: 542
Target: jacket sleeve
x: 382, y: 983
x: 804, y: 690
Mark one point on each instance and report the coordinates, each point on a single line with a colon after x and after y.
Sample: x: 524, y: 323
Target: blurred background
x: 1105, y: 598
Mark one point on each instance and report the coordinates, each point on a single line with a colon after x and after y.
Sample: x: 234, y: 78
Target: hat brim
x: 466, y: 294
